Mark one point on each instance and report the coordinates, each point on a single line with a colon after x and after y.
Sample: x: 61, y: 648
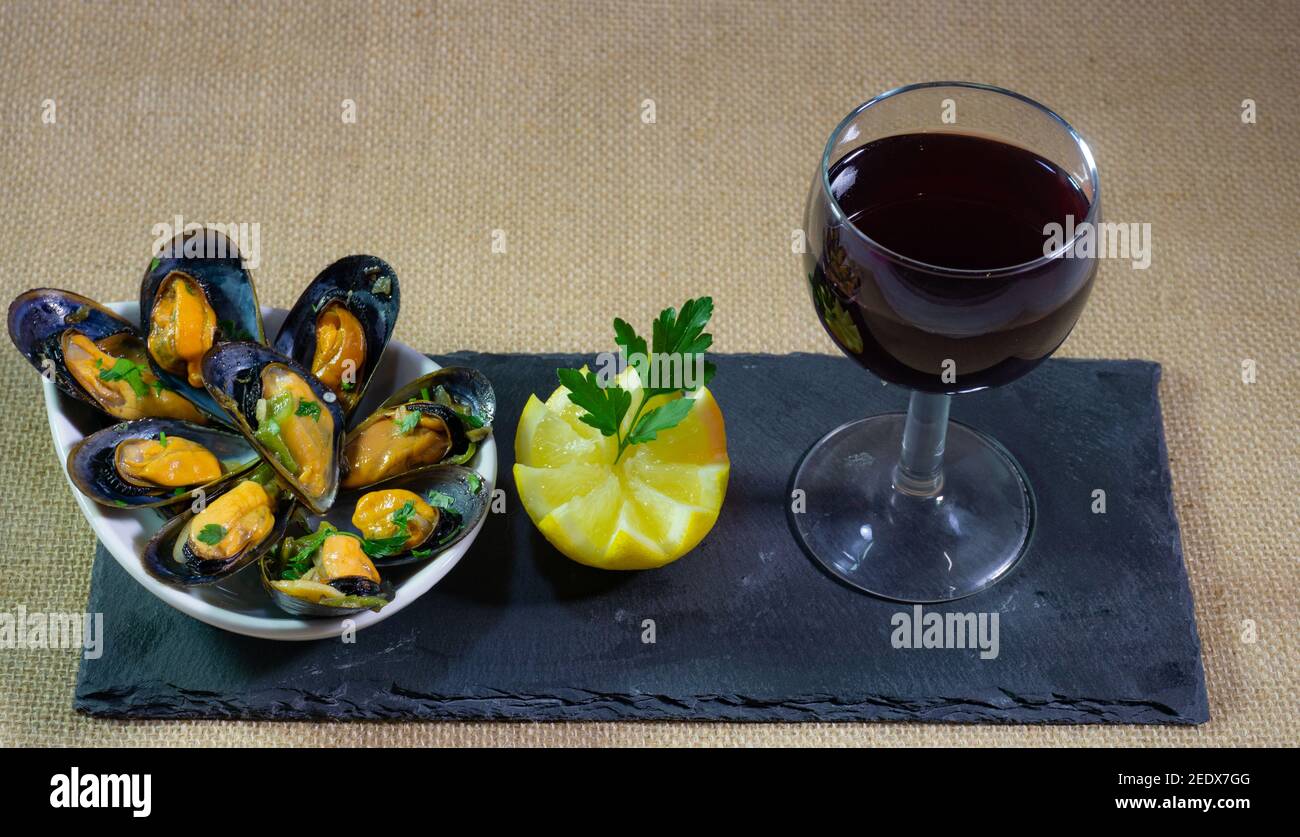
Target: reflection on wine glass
x: 929, y: 263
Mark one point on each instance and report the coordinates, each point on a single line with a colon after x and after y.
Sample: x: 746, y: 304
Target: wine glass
x: 943, y: 229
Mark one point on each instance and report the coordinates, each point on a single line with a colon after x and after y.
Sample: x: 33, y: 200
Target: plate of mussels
x: 281, y: 474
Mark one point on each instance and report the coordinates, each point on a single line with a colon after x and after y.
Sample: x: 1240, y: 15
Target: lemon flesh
x: 650, y: 508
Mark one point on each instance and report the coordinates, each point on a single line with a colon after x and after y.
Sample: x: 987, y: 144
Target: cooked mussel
x: 289, y: 416
x: 416, y: 517
x: 152, y: 462
x: 93, y: 355
x: 341, y: 324
x: 188, y: 304
x: 218, y: 536
x: 434, y: 421
x: 323, y: 573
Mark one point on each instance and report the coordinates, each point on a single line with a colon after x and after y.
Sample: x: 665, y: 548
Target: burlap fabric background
x: 526, y: 118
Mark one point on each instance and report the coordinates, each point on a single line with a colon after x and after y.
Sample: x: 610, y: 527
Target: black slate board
x: 1096, y: 624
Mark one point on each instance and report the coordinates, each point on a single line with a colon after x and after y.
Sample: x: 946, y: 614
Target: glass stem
x: 920, y: 465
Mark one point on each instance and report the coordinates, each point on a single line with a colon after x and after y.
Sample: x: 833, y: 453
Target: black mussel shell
x: 93, y: 470
x: 225, y: 283
x: 367, y: 287
x: 167, y: 556
x: 39, y: 317
x: 232, y: 373
x: 461, y: 495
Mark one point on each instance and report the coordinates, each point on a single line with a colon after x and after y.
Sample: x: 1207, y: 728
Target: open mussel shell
x: 233, y: 374
x: 460, y: 495
x: 466, y: 390
x: 369, y: 457
x: 205, y: 261
x: 94, y: 470
x: 168, y: 558
x: 359, y: 297
x: 458, y: 398
x: 40, y: 319
x: 272, y: 563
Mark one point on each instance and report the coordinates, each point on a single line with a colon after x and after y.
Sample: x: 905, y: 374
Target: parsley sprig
x: 674, y: 333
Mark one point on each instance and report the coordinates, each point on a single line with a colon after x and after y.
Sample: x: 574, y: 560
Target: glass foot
x: 850, y: 517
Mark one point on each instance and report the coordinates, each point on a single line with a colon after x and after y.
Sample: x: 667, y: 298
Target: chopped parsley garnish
x: 212, y: 534
x: 475, y: 481
x: 299, y: 563
x: 392, y: 545
x: 407, y: 421
x: 308, y: 408
x: 162, y: 438
x: 402, y: 517
x: 439, y: 500
x: 347, y: 386
x: 125, y: 370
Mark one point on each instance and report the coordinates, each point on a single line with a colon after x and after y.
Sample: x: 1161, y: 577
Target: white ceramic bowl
x: 238, y: 603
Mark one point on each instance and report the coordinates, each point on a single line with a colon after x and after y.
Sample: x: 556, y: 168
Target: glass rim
x: 1089, y: 163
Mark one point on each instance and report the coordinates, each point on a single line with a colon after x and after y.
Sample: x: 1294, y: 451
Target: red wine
x: 945, y: 203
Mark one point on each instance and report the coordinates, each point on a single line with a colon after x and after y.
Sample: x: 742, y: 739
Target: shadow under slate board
x: 1095, y: 624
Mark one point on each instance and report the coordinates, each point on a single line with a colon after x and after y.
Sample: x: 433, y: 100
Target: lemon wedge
x: 650, y: 508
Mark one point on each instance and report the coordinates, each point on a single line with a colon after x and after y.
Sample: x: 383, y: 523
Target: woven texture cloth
x: 528, y: 119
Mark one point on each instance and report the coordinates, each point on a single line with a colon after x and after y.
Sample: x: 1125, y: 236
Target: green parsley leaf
x: 125, y: 370
x: 626, y: 336
x: 308, y: 408
x: 682, y: 334
x: 660, y: 418
x: 475, y: 481
x: 408, y: 421
x: 348, y: 386
x: 212, y: 534
x: 384, y: 547
x: 401, y: 518
x: 439, y: 500
x: 605, y: 406
x: 162, y: 438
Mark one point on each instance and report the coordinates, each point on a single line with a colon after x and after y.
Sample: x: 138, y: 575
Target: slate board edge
x: 1199, y: 712
x: 373, y: 704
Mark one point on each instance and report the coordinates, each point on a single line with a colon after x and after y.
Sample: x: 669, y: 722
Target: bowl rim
x: 107, y: 523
